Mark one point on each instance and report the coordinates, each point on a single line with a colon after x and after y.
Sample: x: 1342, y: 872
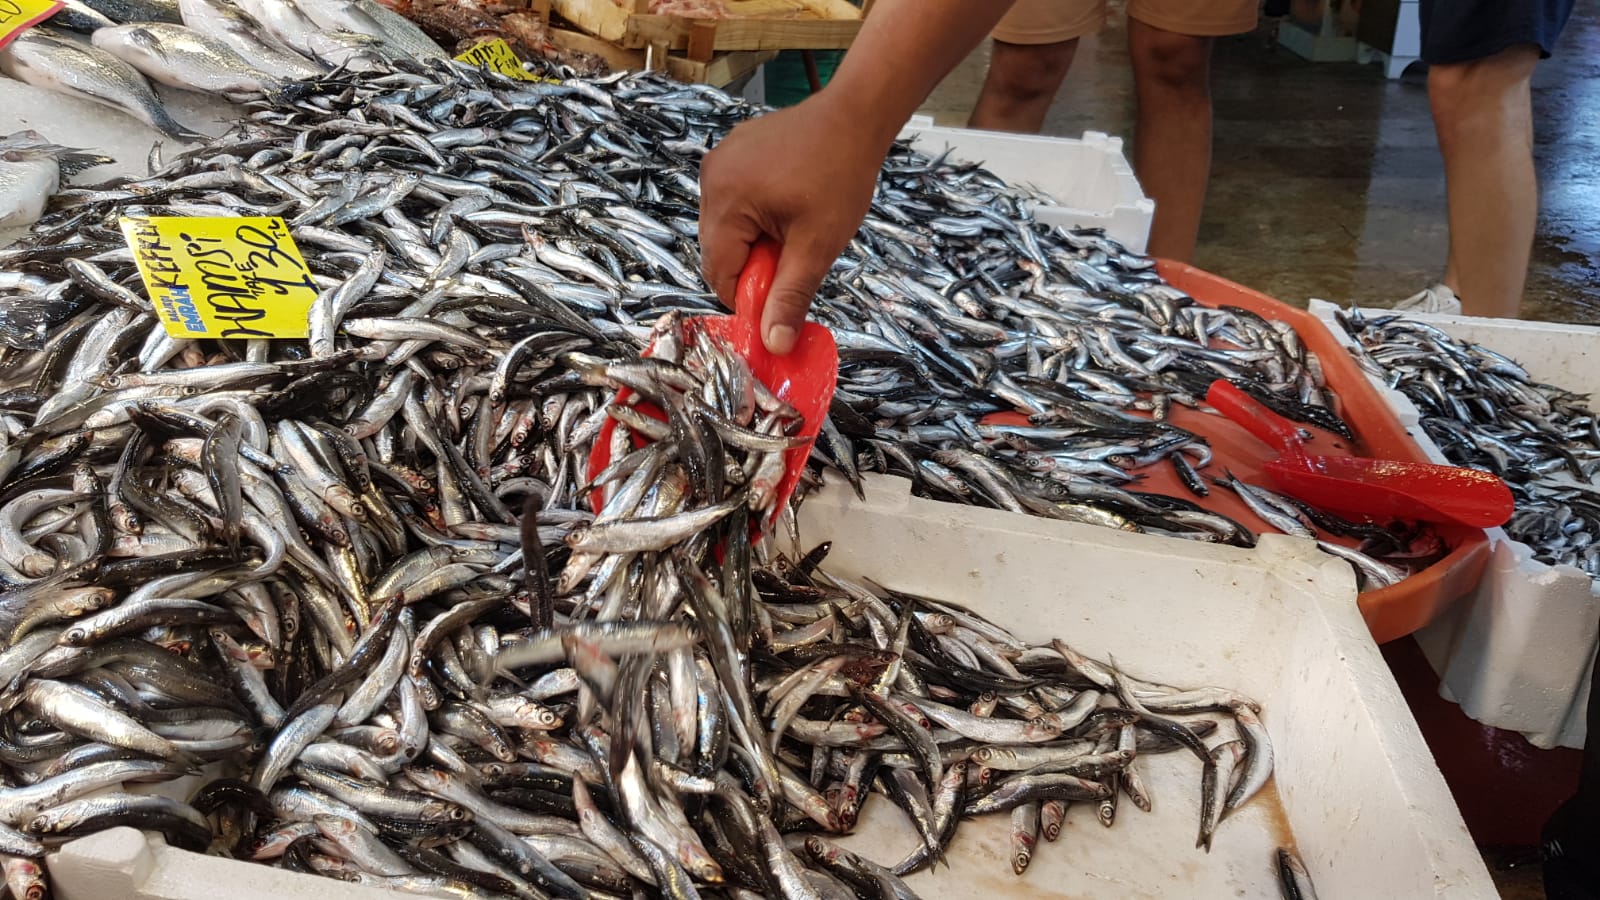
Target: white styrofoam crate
x: 1090, y: 179
x: 1356, y: 789
x: 1516, y: 653
x: 72, y: 122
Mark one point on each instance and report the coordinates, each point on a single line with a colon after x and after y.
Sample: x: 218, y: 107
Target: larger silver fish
x: 371, y: 19
x: 223, y: 20
x: 126, y: 12
x: 182, y: 57
x: 79, y: 16
x: 92, y: 74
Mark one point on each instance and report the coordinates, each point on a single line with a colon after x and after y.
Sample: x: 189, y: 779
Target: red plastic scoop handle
x: 1250, y: 414
x: 1372, y: 488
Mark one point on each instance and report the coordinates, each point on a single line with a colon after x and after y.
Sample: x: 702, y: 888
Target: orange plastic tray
x: 1392, y: 612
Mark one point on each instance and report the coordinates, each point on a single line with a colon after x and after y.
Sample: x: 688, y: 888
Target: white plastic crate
x: 1355, y: 789
x: 1516, y: 653
x: 1090, y: 179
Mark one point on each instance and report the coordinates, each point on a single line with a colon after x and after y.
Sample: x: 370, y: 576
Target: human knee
x: 1457, y: 90
x: 1173, y: 62
x: 1028, y: 73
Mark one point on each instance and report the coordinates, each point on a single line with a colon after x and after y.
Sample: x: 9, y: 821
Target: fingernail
x: 780, y: 338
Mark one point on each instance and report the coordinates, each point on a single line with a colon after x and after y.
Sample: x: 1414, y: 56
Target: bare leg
x: 1022, y: 82
x: 1172, y: 140
x: 1483, y: 113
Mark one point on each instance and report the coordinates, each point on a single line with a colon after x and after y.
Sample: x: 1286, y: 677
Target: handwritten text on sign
x: 223, y: 277
x: 497, y: 56
x: 16, y: 16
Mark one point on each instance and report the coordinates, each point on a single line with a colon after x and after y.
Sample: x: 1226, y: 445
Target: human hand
x: 804, y: 176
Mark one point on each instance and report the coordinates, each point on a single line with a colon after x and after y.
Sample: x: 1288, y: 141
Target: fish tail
x: 167, y: 125
x: 294, y: 91
x: 74, y: 162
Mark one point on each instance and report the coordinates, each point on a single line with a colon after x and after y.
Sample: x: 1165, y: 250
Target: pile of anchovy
x: 1484, y: 411
x: 479, y: 198
x: 304, y: 559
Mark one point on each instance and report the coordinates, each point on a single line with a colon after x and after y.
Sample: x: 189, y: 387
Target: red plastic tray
x: 1392, y: 612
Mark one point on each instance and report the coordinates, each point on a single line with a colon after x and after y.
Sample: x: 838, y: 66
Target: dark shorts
x: 1457, y: 31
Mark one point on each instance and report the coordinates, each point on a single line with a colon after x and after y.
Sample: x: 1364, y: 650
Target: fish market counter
x: 1516, y: 653
x: 1356, y: 790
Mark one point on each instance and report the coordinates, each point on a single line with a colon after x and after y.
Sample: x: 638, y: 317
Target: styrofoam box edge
x: 1091, y: 180
x: 1516, y: 654
x: 1181, y: 610
x: 1365, y: 803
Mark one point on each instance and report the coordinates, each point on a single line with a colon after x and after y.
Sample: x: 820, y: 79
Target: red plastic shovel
x: 805, y: 378
x: 1373, y: 488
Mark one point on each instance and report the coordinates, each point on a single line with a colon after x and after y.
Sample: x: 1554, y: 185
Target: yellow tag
x: 17, y: 16
x: 496, y: 56
x: 222, y: 277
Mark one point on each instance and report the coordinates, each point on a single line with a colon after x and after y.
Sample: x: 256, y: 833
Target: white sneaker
x: 1436, y: 298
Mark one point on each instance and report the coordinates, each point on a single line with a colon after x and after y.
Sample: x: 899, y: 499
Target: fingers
x: 800, y: 273
x: 724, y: 247
x: 726, y: 232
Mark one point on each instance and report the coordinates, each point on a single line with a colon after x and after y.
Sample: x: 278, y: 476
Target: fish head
x: 84, y: 602
x: 821, y: 850
x: 45, y: 822
x: 143, y: 39
x: 443, y: 811
x: 333, y: 826
x: 445, y: 836
x: 431, y: 780
x: 698, y: 863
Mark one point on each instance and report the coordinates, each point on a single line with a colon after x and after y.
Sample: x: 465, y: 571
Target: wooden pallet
x: 719, y: 71
x: 755, y: 25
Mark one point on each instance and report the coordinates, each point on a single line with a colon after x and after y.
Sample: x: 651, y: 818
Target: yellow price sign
x: 497, y: 56
x: 17, y: 16
x: 232, y: 278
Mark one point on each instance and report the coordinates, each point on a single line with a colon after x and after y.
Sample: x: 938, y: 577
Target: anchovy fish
x: 373, y: 571
x: 1485, y: 411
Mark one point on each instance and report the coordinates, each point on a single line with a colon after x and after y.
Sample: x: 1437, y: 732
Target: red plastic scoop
x: 1373, y: 488
x: 805, y: 378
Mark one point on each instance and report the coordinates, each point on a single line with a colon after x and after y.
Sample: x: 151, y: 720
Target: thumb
x: 800, y: 272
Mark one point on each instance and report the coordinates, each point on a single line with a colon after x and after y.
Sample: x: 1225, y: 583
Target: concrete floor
x: 1326, y: 179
